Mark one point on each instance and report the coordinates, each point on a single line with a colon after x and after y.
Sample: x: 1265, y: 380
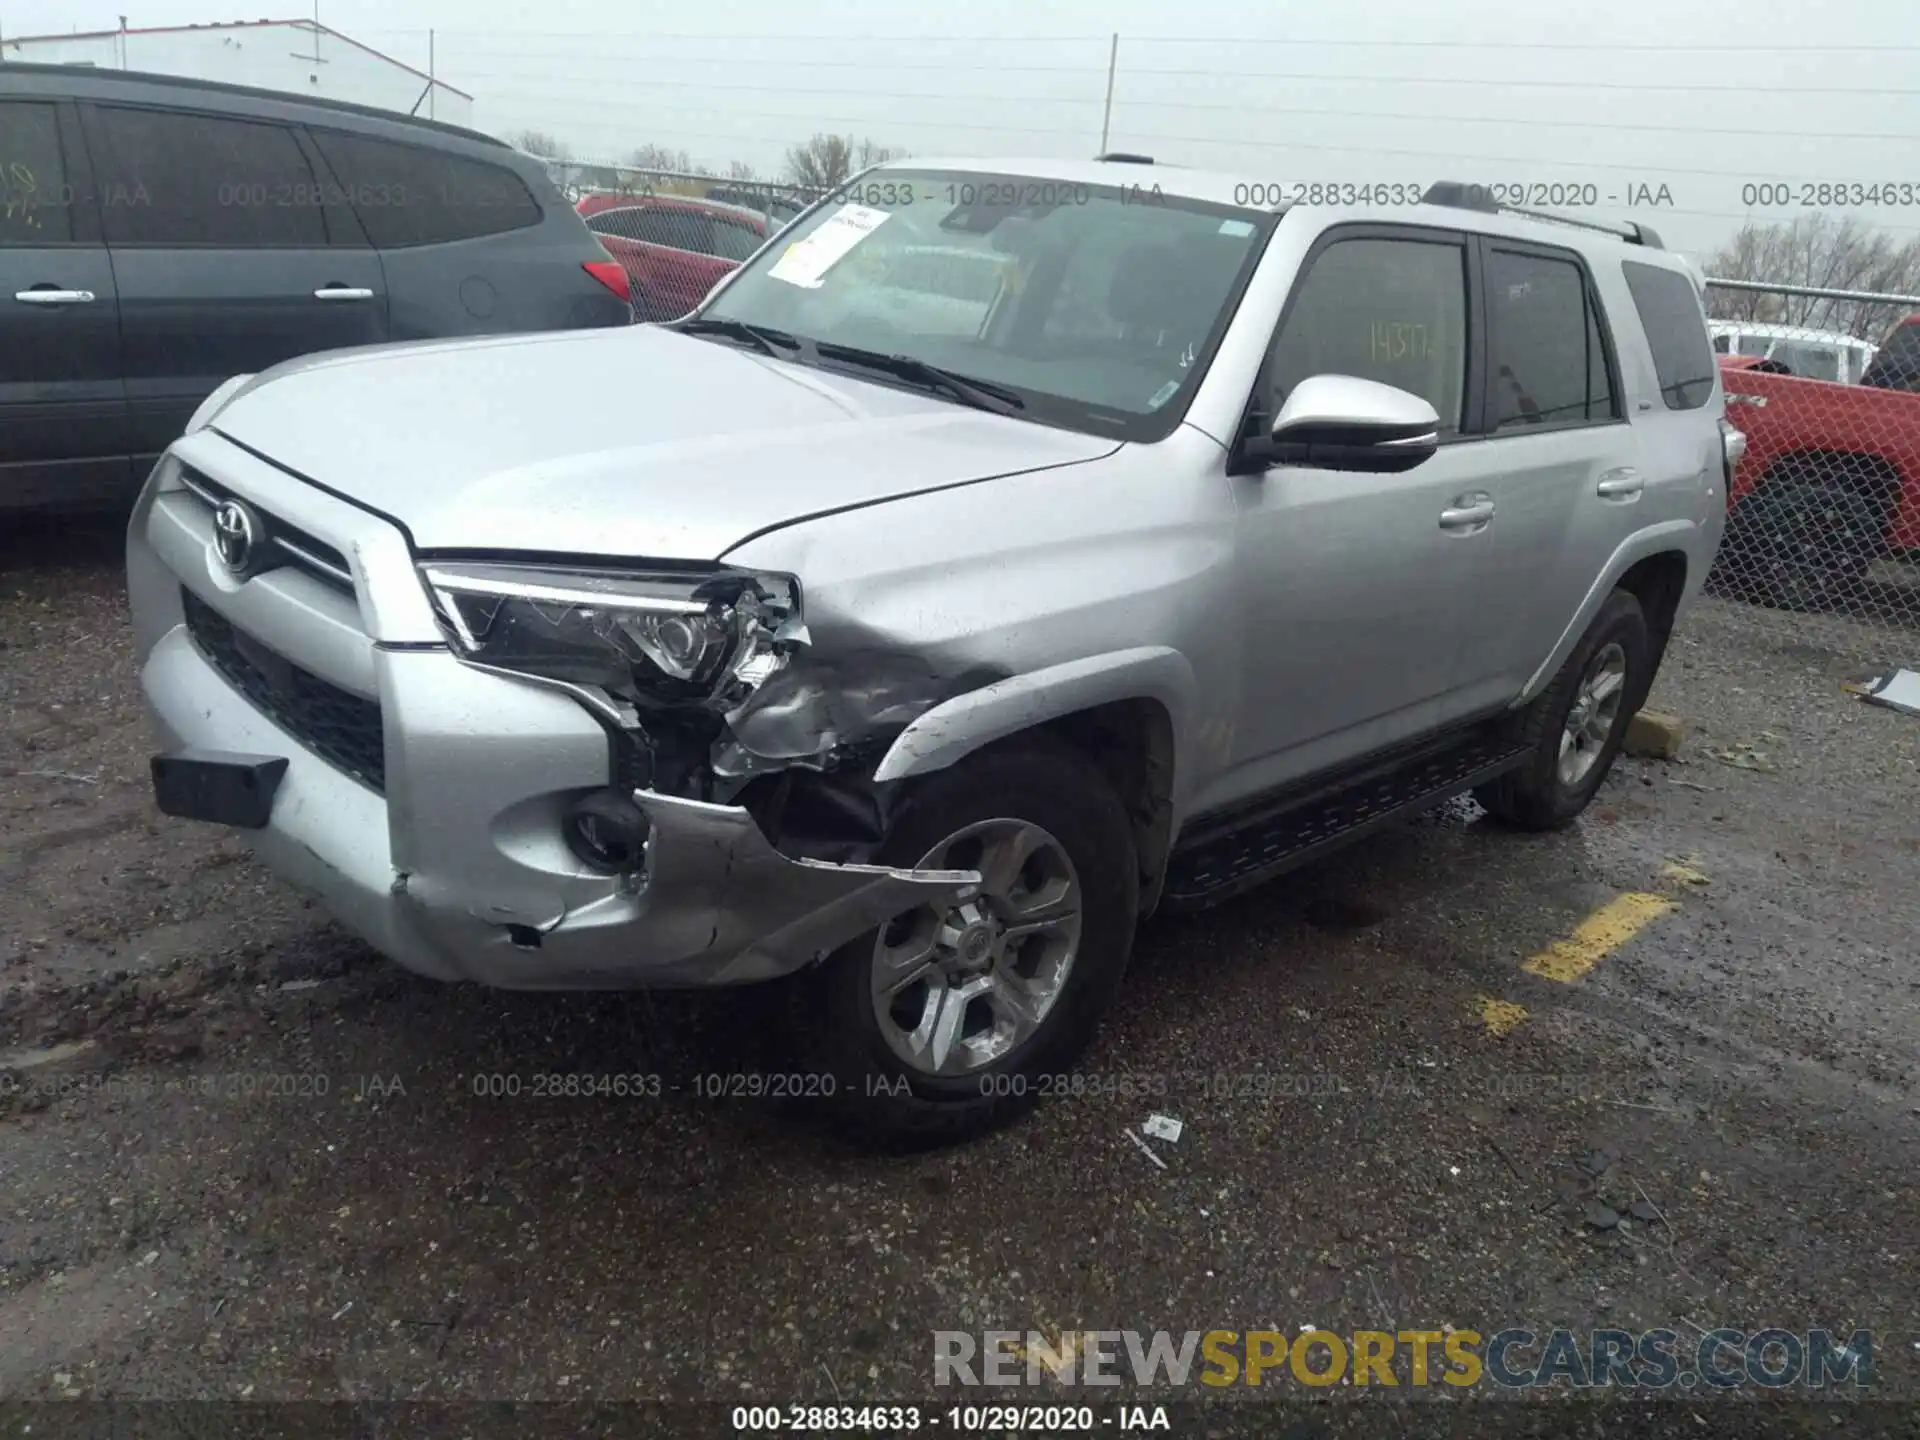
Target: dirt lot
x: 243, y: 1158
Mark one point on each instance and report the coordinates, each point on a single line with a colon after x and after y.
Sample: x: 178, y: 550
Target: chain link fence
x: 676, y: 232
x: 1824, y: 512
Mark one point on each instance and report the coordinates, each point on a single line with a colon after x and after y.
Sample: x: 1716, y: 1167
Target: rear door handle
x: 1469, y: 512
x: 54, y: 297
x: 342, y: 292
x: 1620, y: 485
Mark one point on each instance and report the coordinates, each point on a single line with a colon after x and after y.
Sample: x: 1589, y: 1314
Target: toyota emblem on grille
x: 235, y: 533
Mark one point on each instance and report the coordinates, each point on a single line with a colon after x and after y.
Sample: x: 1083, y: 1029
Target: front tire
x: 937, y: 1026
x: 1578, y: 723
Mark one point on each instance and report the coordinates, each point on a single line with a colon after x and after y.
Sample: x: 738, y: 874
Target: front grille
x: 282, y: 544
x: 337, y: 725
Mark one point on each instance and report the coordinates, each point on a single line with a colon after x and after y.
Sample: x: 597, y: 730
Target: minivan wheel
x: 1577, y: 724
x: 937, y: 1025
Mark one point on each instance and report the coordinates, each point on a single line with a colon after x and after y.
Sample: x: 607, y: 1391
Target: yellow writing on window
x: 1391, y: 340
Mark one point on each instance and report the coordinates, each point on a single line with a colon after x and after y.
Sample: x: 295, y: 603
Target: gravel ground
x: 241, y: 1157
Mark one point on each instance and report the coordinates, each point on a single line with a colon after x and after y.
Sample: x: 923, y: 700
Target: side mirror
x: 1341, y: 422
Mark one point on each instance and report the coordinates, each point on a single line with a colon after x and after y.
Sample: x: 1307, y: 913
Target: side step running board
x: 1225, y: 865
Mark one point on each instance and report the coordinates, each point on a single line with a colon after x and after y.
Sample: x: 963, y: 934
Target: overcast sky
x: 1704, y: 99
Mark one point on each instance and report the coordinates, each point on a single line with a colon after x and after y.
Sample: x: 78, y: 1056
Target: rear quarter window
x: 1669, y: 309
x: 412, y: 195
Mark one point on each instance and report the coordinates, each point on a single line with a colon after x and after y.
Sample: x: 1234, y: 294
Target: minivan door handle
x: 343, y: 292
x: 49, y: 296
x: 1623, y: 484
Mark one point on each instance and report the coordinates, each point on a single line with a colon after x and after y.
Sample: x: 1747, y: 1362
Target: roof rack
x: 1461, y: 196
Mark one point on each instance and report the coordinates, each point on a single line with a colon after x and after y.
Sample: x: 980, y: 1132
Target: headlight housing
x: 707, y: 639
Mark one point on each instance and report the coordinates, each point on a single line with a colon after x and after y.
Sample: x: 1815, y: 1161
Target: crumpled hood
x: 617, y: 442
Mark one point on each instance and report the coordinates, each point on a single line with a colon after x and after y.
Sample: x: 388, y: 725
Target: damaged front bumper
x: 457, y: 869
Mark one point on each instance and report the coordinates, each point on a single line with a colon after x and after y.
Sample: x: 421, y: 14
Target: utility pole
x: 1106, y: 118
x: 433, y: 82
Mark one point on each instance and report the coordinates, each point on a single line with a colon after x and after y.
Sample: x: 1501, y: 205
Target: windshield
x: 1813, y: 362
x: 1097, y: 306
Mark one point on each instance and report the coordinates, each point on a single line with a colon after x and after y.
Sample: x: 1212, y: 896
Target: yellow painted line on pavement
x: 1598, y: 936
x: 1501, y: 1017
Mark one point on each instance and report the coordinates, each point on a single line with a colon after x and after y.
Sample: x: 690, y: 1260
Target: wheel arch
x: 1658, y: 565
x: 1128, y: 711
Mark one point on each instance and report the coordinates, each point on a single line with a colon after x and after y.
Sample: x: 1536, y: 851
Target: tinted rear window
x: 173, y: 178
x: 410, y: 195
x: 1897, y: 366
x: 1548, y: 364
x: 1670, y: 314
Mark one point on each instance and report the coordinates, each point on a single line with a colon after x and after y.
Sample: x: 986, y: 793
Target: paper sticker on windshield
x: 1236, y: 228
x: 1163, y: 394
x: 807, y: 261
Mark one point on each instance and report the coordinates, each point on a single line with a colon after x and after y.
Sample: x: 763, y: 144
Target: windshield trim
x: 1064, y: 412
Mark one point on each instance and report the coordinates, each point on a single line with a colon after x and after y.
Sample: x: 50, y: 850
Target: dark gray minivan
x: 158, y: 235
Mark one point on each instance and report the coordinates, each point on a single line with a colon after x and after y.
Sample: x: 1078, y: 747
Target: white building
x: 299, y: 56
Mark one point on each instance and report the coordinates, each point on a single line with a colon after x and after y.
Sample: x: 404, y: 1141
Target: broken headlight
x: 706, y: 638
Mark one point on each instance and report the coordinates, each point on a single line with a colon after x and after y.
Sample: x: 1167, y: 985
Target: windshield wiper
x: 980, y: 394
x: 768, y: 341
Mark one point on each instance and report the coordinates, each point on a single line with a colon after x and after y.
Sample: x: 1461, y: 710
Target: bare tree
x: 1820, y: 251
x: 826, y: 160
x: 547, y: 147
x: 660, y: 157
x: 740, y: 170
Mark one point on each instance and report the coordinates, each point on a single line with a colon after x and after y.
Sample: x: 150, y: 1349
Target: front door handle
x: 1469, y: 512
x: 51, y: 296
x: 1620, y: 484
x: 342, y: 292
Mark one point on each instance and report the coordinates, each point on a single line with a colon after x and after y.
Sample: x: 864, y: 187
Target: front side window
x: 1391, y: 310
x: 35, y: 200
x: 1546, y: 362
x: 172, y: 178
x: 1100, y: 312
x: 1670, y: 314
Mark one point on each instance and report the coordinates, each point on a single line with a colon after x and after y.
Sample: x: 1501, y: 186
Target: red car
x: 673, y: 247
x: 1829, y: 484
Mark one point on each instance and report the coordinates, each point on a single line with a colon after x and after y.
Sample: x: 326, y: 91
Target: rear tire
x: 1578, y: 723
x: 884, y: 1093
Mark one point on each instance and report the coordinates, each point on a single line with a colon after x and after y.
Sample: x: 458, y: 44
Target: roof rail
x: 1122, y: 157
x: 100, y: 76
x: 1461, y: 196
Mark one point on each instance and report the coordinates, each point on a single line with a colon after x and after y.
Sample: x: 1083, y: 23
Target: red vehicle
x: 673, y: 247
x: 1829, y: 484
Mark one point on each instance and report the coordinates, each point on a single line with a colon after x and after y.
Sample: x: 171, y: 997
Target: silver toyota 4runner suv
x: 1005, y: 552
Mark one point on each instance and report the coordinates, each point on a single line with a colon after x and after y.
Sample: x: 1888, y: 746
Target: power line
x: 1710, y: 47
x: 1696, y: 47
x: 1126, y: 72
x: 1482, y: 83
x: 1528, y: 121
x: 800, y: 116
x: 1316, y: 77
x: 575, y: 101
